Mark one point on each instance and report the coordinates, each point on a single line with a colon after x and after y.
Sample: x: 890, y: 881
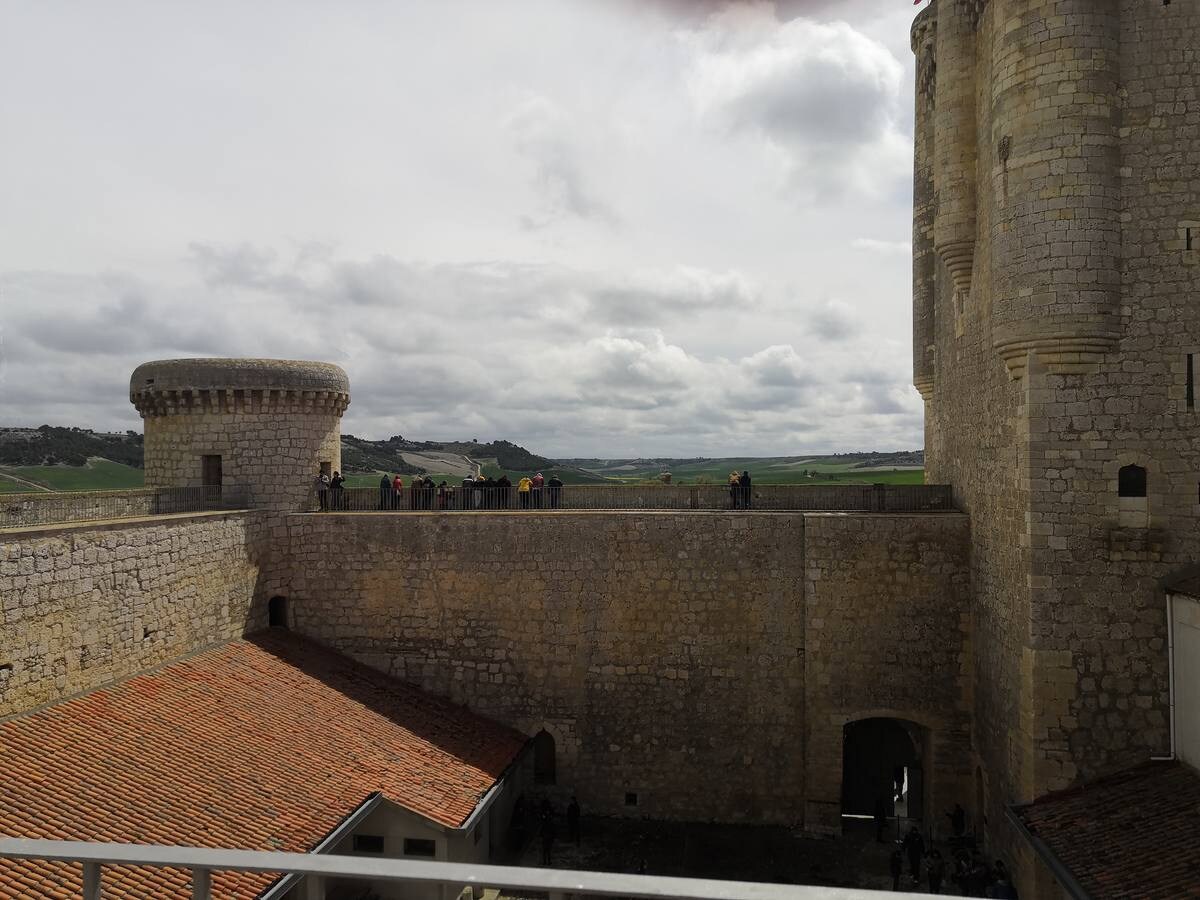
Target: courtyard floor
x: 734, y: 852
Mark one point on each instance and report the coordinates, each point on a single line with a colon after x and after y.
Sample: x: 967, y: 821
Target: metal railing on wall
x: 478, y: 498
x: 20, y: 510
x: 461, y: 880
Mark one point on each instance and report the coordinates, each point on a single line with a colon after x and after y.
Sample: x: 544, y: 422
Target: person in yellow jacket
x: 524, y: 489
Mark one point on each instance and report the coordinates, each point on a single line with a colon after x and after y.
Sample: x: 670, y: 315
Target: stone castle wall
x: 82, y: 605
x: 1063, y: 362
x: 681, y: 656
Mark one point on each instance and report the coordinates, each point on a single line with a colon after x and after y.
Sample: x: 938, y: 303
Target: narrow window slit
x: 1191, y: 381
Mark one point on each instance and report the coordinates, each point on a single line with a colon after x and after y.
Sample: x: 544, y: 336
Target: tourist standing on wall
x: 414, y: 493
x: 504, y: 489
x: 323, y: 490
x: 735, y: 481
x: 385, y: 491
x: 555, y: 490
x: 524, y: 489
x: 335, y: 490
x: 397, y: 491
x: 744, y: 486
x: 538, y: 483
x: 427, y: 491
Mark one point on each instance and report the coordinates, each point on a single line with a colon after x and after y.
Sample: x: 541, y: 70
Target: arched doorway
x: 543, y: 758
x: 881, y: 762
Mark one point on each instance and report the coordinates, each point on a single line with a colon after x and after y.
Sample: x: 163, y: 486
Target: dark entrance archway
x: 544, y: 764
x: 881, y: 759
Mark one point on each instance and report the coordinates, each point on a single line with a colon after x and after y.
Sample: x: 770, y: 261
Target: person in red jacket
x: 397, y: 491
x: 538, y: 483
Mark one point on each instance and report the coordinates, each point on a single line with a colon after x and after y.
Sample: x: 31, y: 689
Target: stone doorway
x: 882, y: 761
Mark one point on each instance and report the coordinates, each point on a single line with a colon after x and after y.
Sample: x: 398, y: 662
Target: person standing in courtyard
x: 936, y: 871
x: 914, y: 847
x: 573, y: 830
x: 880, y: 817
x: 958, y: 820
x: 896, y: 864
x: 547, y: 839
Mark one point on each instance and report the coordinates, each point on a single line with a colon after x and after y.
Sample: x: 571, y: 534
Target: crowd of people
x: 972, y: 874
x: 740, y: 493
x: 423, y: 494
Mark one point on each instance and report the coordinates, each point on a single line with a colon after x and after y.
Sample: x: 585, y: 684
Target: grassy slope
x: 769, y: 470
x: 97, y: 475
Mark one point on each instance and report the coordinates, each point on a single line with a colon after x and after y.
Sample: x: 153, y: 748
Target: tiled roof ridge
x: 1120, y: 776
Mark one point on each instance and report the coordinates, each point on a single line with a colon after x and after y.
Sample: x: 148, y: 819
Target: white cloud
x: 824, y: 97
x: 575, y: 226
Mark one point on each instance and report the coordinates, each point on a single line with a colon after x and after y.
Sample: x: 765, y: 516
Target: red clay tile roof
x: 1135, y: 834
x: 265, y: 743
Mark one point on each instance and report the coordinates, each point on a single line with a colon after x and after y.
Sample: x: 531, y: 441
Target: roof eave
x: 1056, y: 866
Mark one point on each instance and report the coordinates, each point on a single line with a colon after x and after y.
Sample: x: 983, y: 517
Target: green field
x: 764, y: 470
x: 97, y: 475
x: 104, y: 475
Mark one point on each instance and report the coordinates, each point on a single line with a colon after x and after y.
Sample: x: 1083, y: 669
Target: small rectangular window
x: 368, y: 843
x: 420, y: 847
x: 1191, y: 381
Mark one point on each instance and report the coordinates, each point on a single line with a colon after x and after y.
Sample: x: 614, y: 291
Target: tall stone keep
x: 263, y: 425
x: 1057, y: 348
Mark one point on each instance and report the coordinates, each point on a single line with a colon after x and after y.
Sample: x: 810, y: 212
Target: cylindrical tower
x: 1057, y: 230
x: 954, y: 172
x: 924, y: 37
x: 265, y: 425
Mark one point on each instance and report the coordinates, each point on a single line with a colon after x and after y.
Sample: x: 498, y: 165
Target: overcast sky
x: 593, y: 227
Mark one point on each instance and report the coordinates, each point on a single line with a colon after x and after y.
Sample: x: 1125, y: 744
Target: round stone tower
x: 263, y: 425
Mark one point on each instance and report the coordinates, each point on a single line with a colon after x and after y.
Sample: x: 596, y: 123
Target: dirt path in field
x: 34, y: 485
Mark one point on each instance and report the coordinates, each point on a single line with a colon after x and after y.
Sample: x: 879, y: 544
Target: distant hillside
x: 58, y: 458
x: 48, y: 445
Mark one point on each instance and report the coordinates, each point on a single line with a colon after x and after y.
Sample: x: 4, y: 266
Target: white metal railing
x: 317, y: 869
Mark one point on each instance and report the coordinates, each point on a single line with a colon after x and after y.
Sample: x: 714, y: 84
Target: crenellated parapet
x: 199, y: 401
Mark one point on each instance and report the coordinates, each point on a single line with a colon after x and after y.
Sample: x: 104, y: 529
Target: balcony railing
x: 23, y: 510
x: 317, y: 870
x: 477, y: 498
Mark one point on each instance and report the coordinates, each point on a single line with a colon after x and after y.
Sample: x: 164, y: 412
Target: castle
x: 778, y: 666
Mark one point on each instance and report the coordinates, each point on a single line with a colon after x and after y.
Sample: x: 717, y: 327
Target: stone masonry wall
x: 274, y: 452
x: 887, y: 634
x: 82, y: 605
x: 665, y: 652
x: 1085, y: 292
